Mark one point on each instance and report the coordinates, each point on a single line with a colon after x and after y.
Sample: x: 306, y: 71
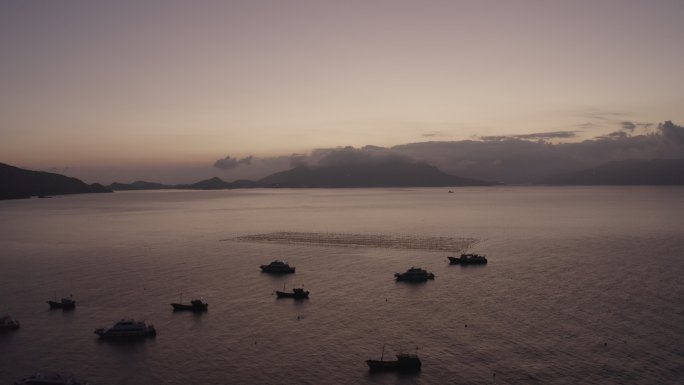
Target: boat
x: 127, y: 328
x: 414, y: 274
x: 403, y: 363
x: 277, y: 267
x: 64, y: 303
x: 49, y: 379
x: 468, y: 259
x: 196, y: 305
x: 7, y: 323
x: 296, y: 293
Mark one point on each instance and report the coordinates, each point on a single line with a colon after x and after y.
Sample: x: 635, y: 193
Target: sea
x: 584, y: 285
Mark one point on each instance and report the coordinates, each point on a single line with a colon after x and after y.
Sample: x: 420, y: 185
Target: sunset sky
x: 165, y: 85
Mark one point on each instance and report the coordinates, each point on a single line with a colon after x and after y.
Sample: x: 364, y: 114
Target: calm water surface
x: 583, y: 285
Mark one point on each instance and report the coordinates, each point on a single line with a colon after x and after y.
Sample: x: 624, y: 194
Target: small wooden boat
x: 64, y: 303
x: 403, y: 363
x: 468, y: 259
x: 195, y: 305
x: 296, y: 293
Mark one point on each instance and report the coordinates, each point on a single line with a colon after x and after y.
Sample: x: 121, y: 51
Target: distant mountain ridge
x: 405, y: 174
x: 138, y: 185
x: 17, y: 183
x: 625, y: 173
x: 367, y: 175
x: 20, y: 183
x: 630, y: 172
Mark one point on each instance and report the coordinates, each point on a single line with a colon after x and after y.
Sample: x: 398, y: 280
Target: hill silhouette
x: 402, y: 174
x: 16, y: 183
x: 626, y: 172
x: 367, y: 175
x: 138, y: 185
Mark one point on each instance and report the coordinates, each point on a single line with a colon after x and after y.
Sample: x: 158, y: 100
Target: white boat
x: 277, y: 267
x: 414, y: 274
x: 127, y: 328
x: 7, y: 323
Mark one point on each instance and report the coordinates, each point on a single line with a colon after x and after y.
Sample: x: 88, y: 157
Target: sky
x: 162, y: 90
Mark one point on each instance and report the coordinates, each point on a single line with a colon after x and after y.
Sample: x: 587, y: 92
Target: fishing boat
x: 296, y: 293
x: 414, y: 274
x: 196, y: 305
x: 403, y: 363
x: 277, y: 267
x: 7, y: 323
x: 49, y: 379
x: 64, y: 303
x: 127, y: 329
x: 468, y: 259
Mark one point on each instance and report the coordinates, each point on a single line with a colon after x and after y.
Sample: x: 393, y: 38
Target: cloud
x: 517, y: 159
x: 615, y: 135
x: 535, y: 136
x: 629, y: 126
x: 507, y: 158
x: 366, y: 155
x: 228, y: 163
x: 298, y: 160
x: 432, y: 134
x: 672, y: 132
x: 599, y: 114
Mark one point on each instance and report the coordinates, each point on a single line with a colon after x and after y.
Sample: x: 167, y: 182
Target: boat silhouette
x: 468, y: 259
x: 127, y: 329
x: 64, y: 303
x: 196, y: 305
x: 296, y: 293
x: 414, y: 274
x: 7, y: 323
x: 403, y: 363
x: 277, y: 267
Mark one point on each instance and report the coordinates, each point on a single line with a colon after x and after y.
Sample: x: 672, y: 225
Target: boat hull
x: 467, y: 261
x: 49, y: 379
x: 7, y: 323
x: 284, y: 294
x: 61, y: 305
x: 193, y: 308
x: 415, y: 279
x: 266, y: 269
x: 393, y: 366
x: 133, y: 335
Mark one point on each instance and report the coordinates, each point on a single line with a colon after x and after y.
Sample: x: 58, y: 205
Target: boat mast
x: 383, y: 352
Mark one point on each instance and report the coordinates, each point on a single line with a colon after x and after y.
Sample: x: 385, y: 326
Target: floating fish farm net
x: 451, y: 244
